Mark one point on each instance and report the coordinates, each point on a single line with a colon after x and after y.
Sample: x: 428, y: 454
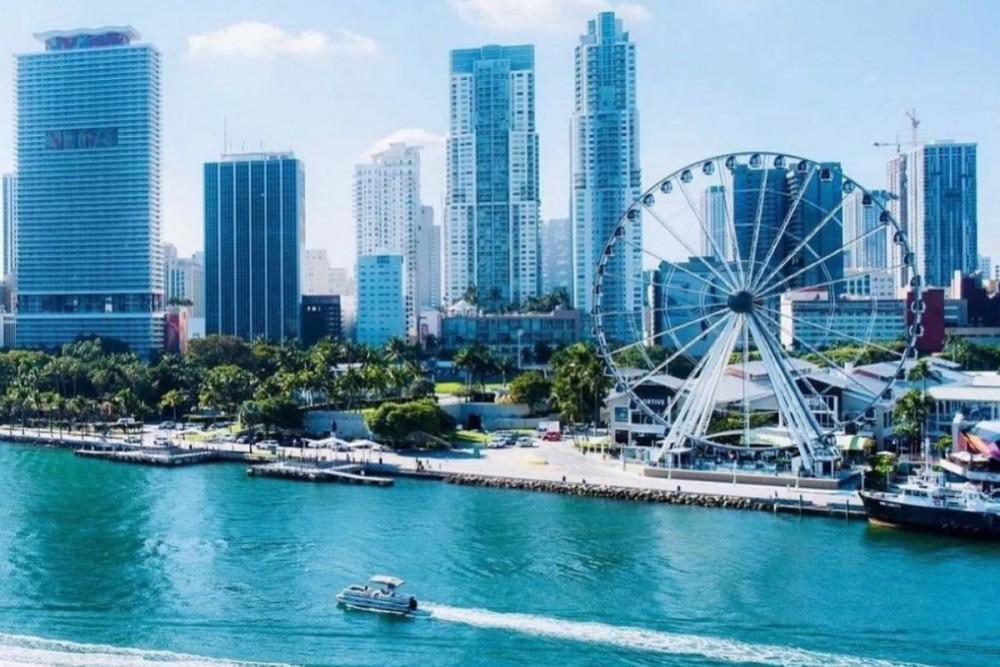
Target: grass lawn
x: 443, y: 388
x: 466, y: 438
x: 447, y: 387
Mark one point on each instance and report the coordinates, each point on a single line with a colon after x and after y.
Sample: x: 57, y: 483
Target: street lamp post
x: 520, y: 332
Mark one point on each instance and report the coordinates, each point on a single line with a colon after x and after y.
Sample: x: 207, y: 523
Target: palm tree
x: 173, y: 399
x: 495, y: 297
x: 921, y: 372
x: 477, y: 362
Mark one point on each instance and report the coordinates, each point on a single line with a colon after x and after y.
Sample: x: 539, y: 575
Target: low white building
x: 809, y: 320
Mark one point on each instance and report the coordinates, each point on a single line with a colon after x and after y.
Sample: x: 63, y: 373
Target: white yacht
x: 381, y: 594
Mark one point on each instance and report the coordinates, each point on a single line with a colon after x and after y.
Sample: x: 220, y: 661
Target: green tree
x: 392, y: 423
x: 211, y: 351
x: 175, y: 399
x: 530, y: 388
x: 579, y: 383
x: 910, y: 415
x: 226, y: 387
x: 477, y: 362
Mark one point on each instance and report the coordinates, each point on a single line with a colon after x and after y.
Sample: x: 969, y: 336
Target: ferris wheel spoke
x: 731, y: 228
x: 803, y: 243
x: 706, y: 291
x: 761, y: 196
x: 711, y: 240
x: 746, y: 362
x: 787, y: 279
x: 695, y: 414
x: 803, y: 428
x: 696, y: 393
x: 888, y: 270
x: 755, y: 275
x: 664, y: 366
x: 667, y: 332
x: 831, y: 365
x: 829, y: 330
x: 676, y: 266
x: 727, y: 282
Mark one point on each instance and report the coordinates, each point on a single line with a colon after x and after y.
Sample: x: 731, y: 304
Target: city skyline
x: 689, y: 113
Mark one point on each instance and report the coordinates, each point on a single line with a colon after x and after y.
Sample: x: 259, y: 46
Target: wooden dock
x: 351, y: 474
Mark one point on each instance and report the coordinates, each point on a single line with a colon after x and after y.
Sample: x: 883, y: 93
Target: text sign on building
x: 85, y: 139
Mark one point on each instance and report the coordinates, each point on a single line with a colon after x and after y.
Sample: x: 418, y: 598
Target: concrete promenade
x: 546, y: 461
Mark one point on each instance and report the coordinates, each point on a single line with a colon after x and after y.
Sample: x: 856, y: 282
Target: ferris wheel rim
x: 732, y: 278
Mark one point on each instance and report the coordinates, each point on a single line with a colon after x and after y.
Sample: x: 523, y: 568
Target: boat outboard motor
x: 413, y: 603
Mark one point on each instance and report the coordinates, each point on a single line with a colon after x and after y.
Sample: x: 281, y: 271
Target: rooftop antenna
x: 914, y: 124
x: 225, y: 135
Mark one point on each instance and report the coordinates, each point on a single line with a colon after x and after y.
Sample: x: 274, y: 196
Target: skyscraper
x: 185, y: 280
x: 557, y: 260
x: 428, y: 260
x: 818, y: 218
x: 747, y: 186
x: 936, y: 187
x: 811, y: 241
x: 386, y: 218
x: 88, y: 190
x: 316, y: 273
x: 380, y: 299
x: 9, y: 225
x: 871, y: 251
x: 254, y: 245
x: 606, y: 177
x: 716, y: 219
x: 492, y: 201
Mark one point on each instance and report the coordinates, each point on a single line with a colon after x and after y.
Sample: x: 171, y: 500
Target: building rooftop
x: 261, y: 155
x: 85, y: 38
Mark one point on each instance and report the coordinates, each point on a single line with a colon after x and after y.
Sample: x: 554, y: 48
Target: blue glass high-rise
x: 254, y: 245
x: 492, y: 205
x: 89, y: 257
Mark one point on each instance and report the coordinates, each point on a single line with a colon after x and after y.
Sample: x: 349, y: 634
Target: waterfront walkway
x: 546, y: 462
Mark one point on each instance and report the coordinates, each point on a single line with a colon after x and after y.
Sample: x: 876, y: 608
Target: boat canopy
x: 386, y: 580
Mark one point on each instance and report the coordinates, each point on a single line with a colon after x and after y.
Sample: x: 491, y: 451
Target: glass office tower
x: 254, y: 245
x: 89, y: 258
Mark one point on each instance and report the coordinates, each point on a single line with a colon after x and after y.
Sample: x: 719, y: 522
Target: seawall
x: 800, y: 506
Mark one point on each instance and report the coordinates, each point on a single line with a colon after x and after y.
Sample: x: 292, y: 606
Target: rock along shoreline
x: 661, y: 496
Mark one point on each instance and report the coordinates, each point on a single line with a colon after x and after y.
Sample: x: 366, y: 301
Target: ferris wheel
x: 748, y: 289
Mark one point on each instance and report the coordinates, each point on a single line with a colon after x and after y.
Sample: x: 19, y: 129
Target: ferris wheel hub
x: 740, y: 302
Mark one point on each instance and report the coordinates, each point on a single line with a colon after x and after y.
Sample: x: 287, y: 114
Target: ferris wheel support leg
x: 803, y: 428
x: 699, y: 402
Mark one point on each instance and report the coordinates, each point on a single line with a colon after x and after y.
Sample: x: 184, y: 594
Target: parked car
x: 525, y: 441
x: 168, y: 426
x: 134, y: 439
x: 552, y: 436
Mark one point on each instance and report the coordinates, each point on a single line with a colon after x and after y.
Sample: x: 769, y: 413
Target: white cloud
x: 414, y: 136
x: 255, y: 39
x: 556, y: 15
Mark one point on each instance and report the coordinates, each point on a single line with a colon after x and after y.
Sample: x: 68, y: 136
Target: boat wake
x: 713, y: 648
x: 19, y: 650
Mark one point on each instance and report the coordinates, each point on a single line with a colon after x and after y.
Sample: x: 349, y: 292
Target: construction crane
x: 914, y: 137
x: 914, y: 124
x: 886, y: 144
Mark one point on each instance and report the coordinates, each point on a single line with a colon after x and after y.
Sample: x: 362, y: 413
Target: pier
x: 354, y: 473
x: 159, y: 456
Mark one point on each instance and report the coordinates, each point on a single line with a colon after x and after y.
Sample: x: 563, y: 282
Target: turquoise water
x: 105, y: 564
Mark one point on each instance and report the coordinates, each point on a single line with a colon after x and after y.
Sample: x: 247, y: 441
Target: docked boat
x: 381, y: 594
x: 927, y: 502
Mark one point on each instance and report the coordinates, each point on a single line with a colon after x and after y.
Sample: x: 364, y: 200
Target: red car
x: 552, y: 436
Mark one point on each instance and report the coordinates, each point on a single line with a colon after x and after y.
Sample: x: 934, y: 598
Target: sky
x: 333, y: 80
